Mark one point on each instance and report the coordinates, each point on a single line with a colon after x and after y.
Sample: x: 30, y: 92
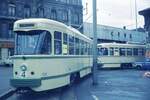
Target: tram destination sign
x: 27, y: 25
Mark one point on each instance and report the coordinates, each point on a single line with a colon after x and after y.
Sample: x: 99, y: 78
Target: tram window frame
x: 77, y: 51
x: 122, y: 51
x: 141, y: 52
x: 65, y: 44
x: 111, y: 51
x: 86, y: 48
x: 103, y: 51
x: 129, y: 51
x: 135, y: 51
x: 47, y: 44
x: 57, y: 43
x: 82, y: 47
x: 71, y: 45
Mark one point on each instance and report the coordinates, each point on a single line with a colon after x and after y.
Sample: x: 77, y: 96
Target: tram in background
x: 117, y: 55
x: 48, y: 55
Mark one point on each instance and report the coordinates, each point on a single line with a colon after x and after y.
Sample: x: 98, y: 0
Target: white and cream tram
x: 48, y: 54
x: 117, y: 55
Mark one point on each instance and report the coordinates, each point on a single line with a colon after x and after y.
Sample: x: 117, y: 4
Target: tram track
x: 7, y: 94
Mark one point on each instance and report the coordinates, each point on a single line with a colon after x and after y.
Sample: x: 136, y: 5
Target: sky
x: 116, y: 13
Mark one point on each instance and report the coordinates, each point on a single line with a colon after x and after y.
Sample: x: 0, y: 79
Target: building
x: 146, y: 14
x: 113, y: 34
x: 66, y: 11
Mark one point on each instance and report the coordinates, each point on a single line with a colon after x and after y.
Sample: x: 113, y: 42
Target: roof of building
x: 145, y: 11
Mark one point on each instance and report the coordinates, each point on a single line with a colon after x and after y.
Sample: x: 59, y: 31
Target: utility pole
x: 136, y: 14
x: 94, y: 68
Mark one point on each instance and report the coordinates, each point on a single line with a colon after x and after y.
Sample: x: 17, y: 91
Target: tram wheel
x: 138, y: 67
x: 74, y: 78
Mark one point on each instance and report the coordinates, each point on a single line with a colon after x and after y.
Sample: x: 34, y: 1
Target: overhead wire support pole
x: 94, y: 68
x: 136, y: 14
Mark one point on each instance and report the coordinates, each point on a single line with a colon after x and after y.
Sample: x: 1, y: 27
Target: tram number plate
x: 23, y: 74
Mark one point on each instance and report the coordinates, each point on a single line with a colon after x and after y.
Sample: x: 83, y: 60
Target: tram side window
x: 77, y: 46
x: 122, y: 51
x: 82, y: 47
x: 111, y: 51
x: 57, y: 43
x: 71, y: 45
x: 86, y: 48
x: 65, y: 45
x: 103, y: 51
x: 135, y: 51
x: 46, y: 47
x: 129, y: 51
x: 141, y: 52
x: 90, y: 49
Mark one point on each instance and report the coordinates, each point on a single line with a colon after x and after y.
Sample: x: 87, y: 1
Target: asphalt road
x: 113, y: 85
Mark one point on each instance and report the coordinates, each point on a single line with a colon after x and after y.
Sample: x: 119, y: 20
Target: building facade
x: 146, y: 14
x: 66, y: 11
x: 113, y: 34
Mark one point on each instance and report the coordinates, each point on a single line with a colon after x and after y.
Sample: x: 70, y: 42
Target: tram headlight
x: 23, y: 67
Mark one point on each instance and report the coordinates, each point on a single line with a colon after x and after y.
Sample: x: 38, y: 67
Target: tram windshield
x: 32, y: 42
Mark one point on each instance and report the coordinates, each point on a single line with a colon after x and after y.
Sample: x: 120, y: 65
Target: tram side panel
x: 53, y: 72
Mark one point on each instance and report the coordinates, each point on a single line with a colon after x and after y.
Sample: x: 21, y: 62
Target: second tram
x: 48, y: 55
x: 117, y: 55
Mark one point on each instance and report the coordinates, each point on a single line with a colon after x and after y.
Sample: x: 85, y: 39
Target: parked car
x: 144, y: 65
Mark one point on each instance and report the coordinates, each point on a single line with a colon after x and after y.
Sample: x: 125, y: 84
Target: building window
x: 11, y: 10
x: 27, y: 11
x: 10, y: 30
x: 118, y: 34
x: 41, y: 12
x: 125, y: 35
x: 76, y: 19
x: 112, y: 35
x: 64, y: 15
x: 53, y: 14
x: 130, y: 37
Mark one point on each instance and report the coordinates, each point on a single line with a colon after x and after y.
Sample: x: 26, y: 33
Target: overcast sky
x: 116, y: 13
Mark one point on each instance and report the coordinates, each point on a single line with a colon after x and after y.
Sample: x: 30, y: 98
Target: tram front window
x: 32, y: 42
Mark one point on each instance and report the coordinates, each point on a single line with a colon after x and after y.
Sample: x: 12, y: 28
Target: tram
x: 48, y: 54
x: 117, y: 55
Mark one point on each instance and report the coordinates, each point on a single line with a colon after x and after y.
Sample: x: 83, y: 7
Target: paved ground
x: 113, y: 85
x: 5, y: 75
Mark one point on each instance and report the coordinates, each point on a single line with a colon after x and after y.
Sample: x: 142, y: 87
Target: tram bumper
x: 25, y: 82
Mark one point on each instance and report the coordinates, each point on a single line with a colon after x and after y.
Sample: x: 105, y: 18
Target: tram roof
x: 52, y: 22
x: 119, y: 44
